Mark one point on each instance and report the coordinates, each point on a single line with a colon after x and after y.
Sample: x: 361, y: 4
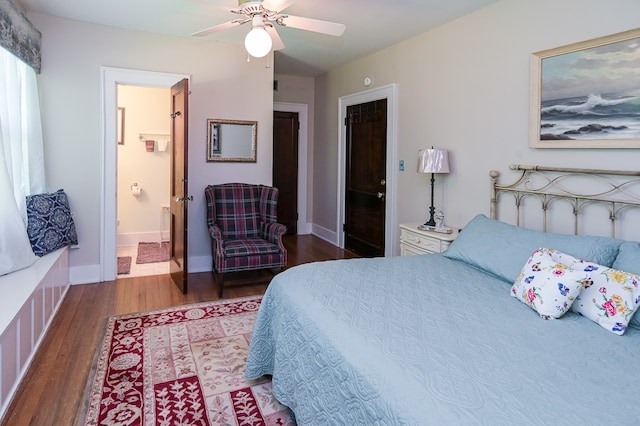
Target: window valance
x: 18, y: 35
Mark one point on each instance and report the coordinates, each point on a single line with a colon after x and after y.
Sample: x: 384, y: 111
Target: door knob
x: 380, y: 194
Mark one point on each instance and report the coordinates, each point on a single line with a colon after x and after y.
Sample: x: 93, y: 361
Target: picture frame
x: 120, y: 128
x: 586, y: 94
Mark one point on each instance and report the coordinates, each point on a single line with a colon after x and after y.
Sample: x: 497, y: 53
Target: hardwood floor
x: 53, y: 391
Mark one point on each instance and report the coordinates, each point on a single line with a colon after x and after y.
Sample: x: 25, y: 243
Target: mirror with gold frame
x: 231, y: 140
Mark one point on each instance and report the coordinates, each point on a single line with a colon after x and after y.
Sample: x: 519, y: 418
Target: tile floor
x: 142, y: 269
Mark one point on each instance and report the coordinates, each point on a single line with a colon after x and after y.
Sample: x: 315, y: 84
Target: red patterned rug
x: 182, y: 366
x: 153, y: 252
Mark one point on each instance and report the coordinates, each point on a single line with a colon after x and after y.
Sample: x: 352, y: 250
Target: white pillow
x: 610, y: 298
x: 547, y: 284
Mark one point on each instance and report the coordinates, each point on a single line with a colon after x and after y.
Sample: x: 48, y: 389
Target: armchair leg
x: 219, y: 279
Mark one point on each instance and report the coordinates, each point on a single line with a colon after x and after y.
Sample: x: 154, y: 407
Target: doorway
x: 303, y: 225
x: 365, y: 178
x: 110, y: 78
x: 388, y: 92
x: 285, y: 167
x: 143, y: 173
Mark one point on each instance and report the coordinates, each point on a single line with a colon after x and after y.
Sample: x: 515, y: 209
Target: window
x: 21, y: 158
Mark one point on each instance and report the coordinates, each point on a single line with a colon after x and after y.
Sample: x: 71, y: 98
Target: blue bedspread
x: 423, y: 340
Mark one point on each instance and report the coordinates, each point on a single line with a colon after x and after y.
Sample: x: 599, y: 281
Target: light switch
x: 402, y: 165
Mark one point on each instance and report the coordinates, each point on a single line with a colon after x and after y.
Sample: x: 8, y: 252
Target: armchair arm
x: 273, y: 232
x: 216, y: 246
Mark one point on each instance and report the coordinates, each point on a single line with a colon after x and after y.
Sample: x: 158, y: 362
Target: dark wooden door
x: 366, y: 160
x: 179, y: 187
x: 285, y: 167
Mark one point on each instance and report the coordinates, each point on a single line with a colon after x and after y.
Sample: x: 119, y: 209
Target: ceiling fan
x: 262, y: 15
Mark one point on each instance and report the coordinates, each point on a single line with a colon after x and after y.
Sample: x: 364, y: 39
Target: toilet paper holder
x: 135, y: 189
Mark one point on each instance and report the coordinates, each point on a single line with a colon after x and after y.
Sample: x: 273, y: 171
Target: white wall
x: 223, y: 85
x: 465, y: 87
x: 146, y: 113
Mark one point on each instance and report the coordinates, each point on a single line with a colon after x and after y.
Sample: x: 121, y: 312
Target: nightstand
x: 417, y: 241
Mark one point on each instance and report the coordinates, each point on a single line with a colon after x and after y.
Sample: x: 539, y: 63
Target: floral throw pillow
x: 547, y: 284
x: 50, y: 225
x: 610, y: 298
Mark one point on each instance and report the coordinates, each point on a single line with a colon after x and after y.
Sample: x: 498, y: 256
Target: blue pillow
x: 501, y: 249
x: 49, y: 222
x: 628, y: 260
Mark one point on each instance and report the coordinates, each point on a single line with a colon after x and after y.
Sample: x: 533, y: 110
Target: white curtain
x: 21, y: 159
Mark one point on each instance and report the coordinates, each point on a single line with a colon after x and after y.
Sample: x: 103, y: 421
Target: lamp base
x: 431, y: 222
x: 432, y: 212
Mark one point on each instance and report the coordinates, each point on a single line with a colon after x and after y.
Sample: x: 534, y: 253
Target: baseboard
x: 133, y: 238
x: 326, y: 234
x: 305, y: 228
x: 89, y: 274
x: 86, y: 274
x: 200, y: 264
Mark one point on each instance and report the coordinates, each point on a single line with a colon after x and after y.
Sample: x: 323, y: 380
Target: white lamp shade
x: 258, y: 42
x: 433, y: 161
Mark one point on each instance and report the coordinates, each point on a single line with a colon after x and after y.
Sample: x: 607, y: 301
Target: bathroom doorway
x: 110, y: 78
x: 143, y: 178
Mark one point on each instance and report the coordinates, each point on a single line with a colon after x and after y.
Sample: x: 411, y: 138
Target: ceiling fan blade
x: 275, y: 38
x: 316, y: 25
x: 220, y: 27
x: 277, y: 5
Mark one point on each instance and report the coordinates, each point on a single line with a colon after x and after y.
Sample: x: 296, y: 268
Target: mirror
x: 231, y: 140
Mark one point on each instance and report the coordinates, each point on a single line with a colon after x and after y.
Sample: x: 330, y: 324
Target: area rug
x: 153, y: 252
x: 181, y: 366
x: 124, y: 265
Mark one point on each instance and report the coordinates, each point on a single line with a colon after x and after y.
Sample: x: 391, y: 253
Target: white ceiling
x: 370, y: 24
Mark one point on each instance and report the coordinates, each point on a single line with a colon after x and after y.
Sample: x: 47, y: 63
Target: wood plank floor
x: 53, y: 391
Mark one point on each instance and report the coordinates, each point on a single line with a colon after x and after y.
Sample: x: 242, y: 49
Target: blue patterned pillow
x: 49, y: 222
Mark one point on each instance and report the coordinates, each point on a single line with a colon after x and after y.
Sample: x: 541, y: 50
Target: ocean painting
x: 591, y: 94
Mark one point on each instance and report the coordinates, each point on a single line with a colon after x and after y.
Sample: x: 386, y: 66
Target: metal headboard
x: 616, y: 190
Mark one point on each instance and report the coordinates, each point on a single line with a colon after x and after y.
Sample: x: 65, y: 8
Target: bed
x: 440, y: 339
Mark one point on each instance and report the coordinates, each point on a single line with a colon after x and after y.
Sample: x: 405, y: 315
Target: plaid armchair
x: 241, y: 219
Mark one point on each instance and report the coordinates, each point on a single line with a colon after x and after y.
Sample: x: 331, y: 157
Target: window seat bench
x: 29, y: 298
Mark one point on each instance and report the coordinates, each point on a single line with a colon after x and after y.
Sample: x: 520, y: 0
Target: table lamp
x: 432, y: 161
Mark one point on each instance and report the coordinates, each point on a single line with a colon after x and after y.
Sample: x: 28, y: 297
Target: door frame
x: 390, y: 92
x: 110, y: 77
x: 304, y: 227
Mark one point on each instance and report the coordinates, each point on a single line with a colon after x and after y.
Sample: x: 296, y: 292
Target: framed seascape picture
x: 587, y: 95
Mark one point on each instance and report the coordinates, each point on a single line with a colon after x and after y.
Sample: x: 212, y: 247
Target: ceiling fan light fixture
x: 258, y: 42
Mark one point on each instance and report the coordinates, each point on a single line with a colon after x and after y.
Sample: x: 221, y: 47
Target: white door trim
x: 390, y: 92
x: 109, y: 79
x: 304, y: 227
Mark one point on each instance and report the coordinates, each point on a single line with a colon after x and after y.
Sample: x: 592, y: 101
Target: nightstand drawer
x: 421, y: 241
